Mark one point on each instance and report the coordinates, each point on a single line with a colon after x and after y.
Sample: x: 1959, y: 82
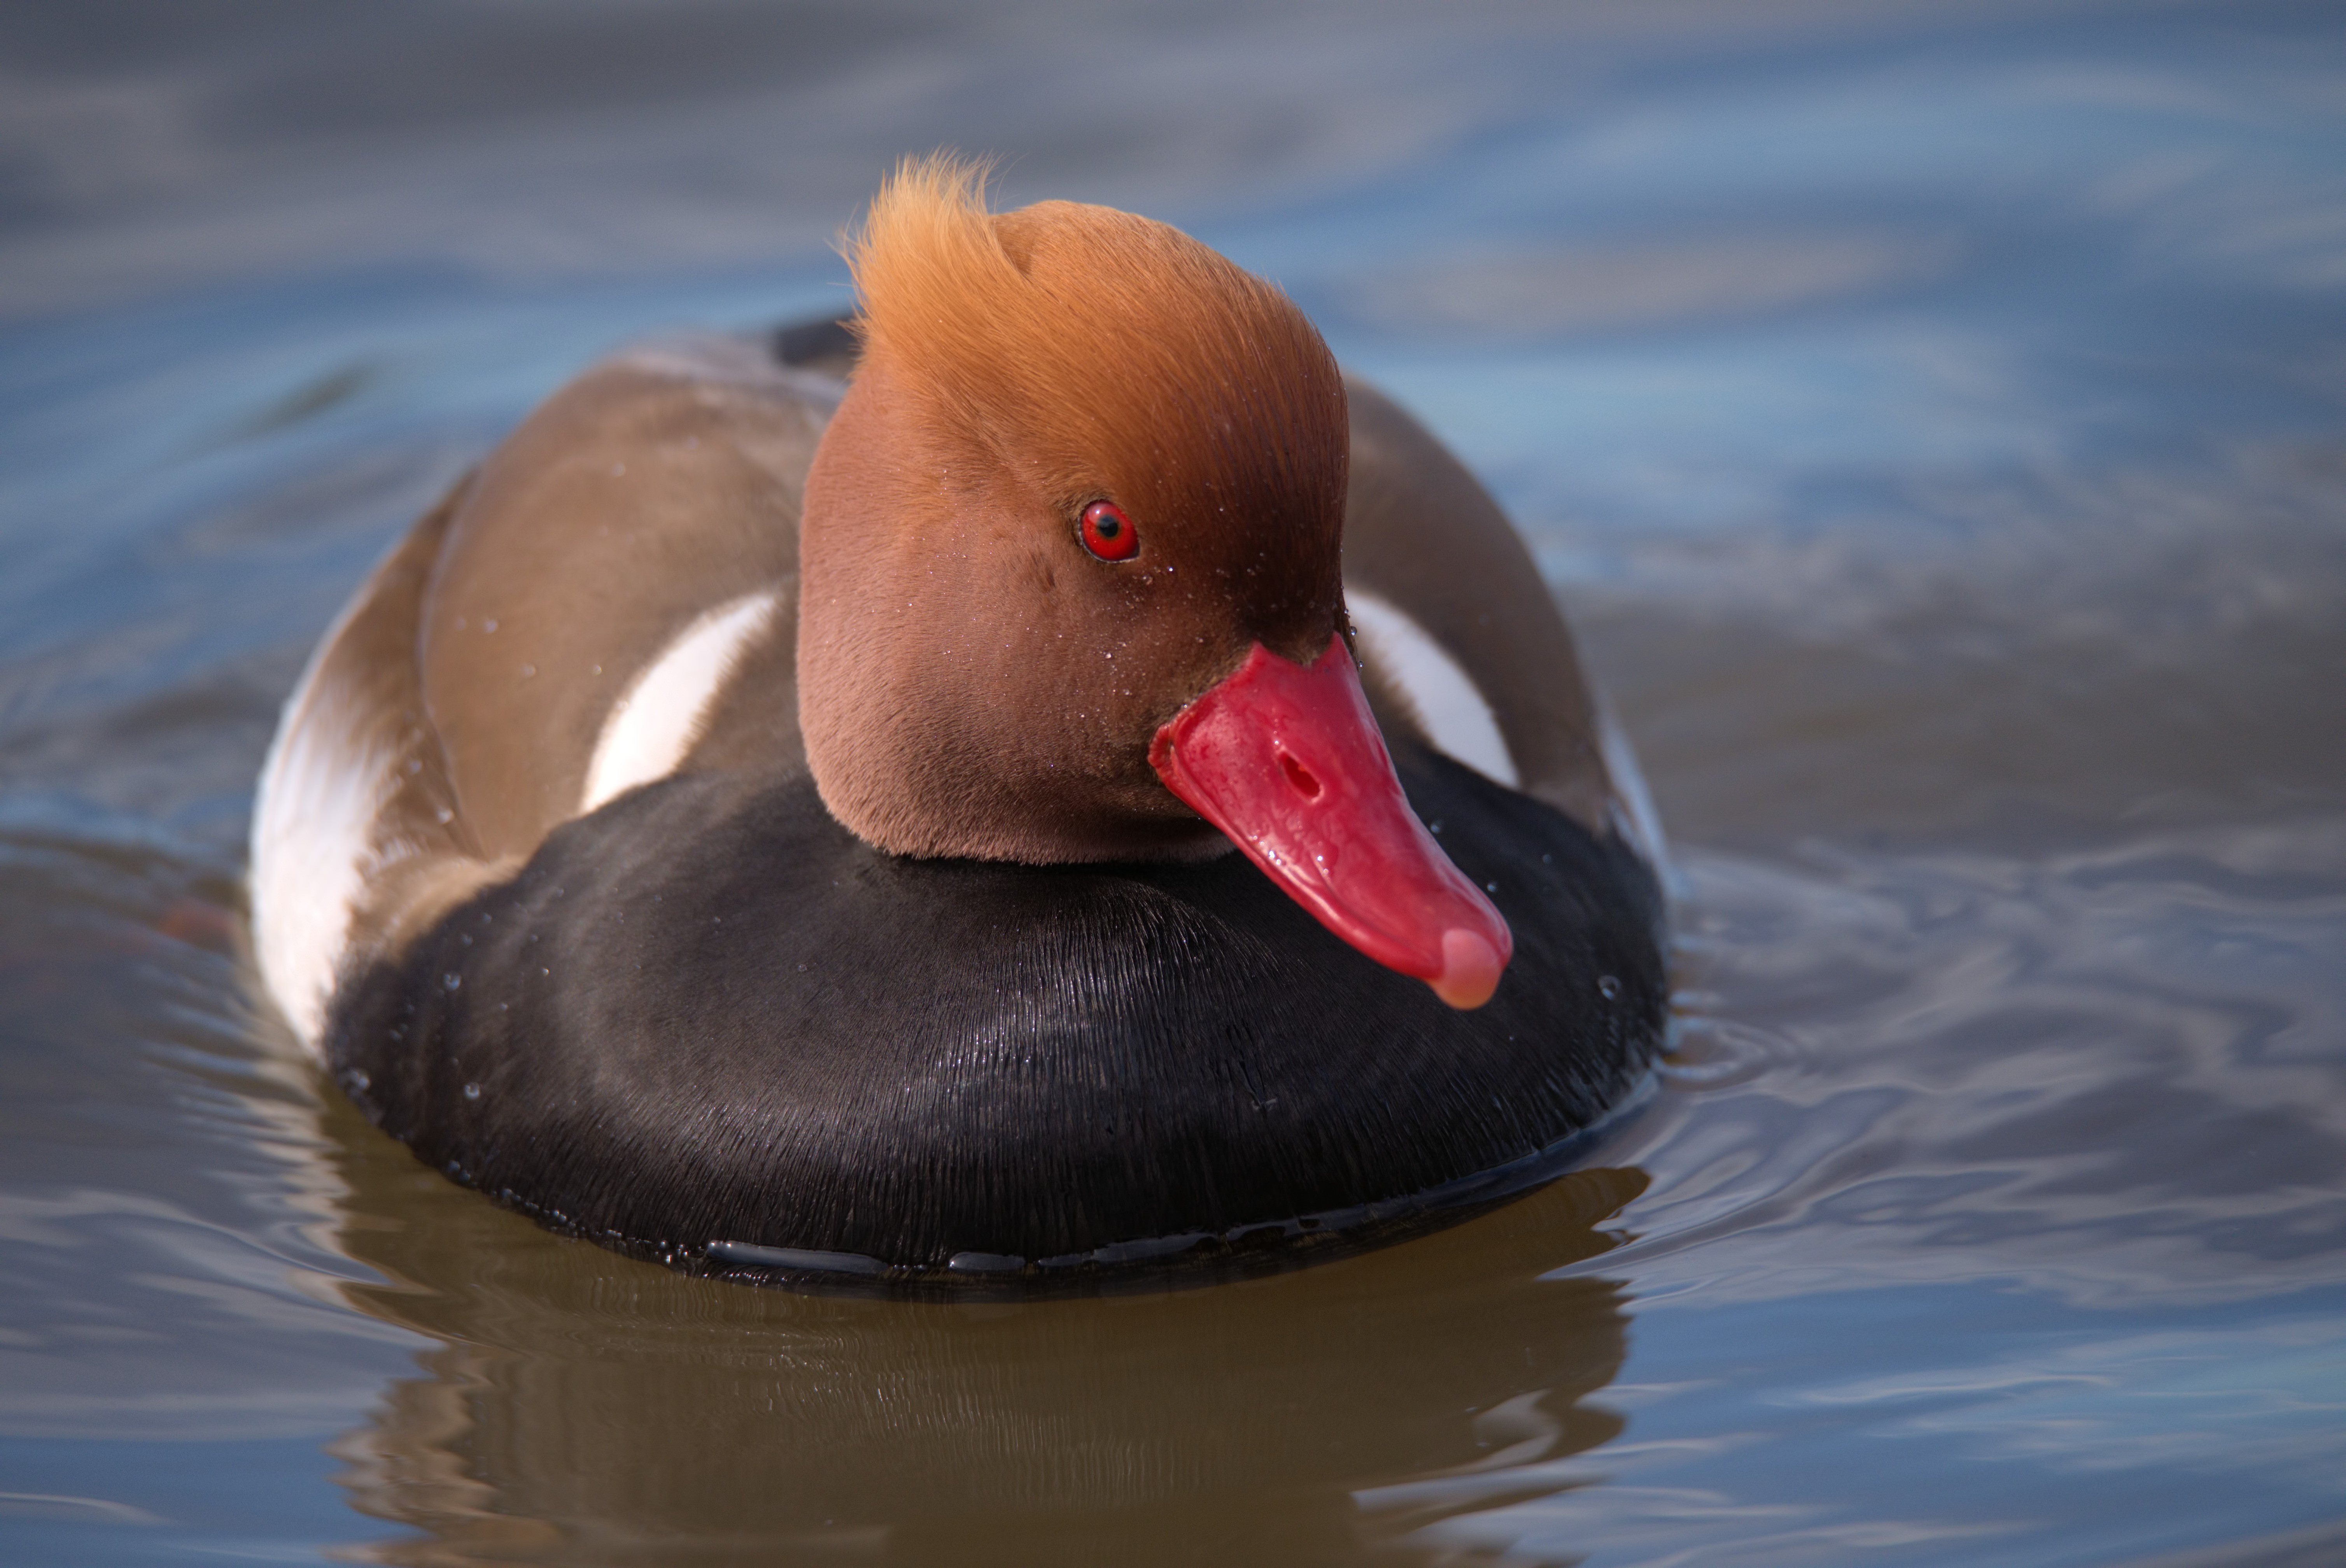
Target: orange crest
x: 1104, y: 353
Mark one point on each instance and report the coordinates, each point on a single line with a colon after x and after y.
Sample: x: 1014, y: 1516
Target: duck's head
x: 1071, y: 579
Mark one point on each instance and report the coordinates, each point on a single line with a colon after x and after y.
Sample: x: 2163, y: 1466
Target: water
x: 1930, y: 417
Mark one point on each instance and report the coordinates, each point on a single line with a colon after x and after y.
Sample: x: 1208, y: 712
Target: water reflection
x: 589, y: 1409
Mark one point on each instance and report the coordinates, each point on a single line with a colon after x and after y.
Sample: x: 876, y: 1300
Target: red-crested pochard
x: 779, y: 825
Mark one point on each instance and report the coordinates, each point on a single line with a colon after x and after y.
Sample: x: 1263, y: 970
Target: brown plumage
x: 1101, y: 352
x: 1017, y: 368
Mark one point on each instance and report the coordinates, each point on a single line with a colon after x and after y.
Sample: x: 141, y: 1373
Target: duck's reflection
x: 587, y: 1408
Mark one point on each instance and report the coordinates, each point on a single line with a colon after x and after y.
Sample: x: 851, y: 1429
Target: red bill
x: 1287, y: 760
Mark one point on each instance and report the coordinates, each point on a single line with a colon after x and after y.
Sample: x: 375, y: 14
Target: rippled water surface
x: 1930, y: 416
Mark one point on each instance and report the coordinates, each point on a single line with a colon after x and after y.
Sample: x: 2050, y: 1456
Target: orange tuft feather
x: 1102, y: 353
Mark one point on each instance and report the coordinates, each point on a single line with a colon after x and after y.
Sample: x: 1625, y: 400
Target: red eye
x: 1107, y: 532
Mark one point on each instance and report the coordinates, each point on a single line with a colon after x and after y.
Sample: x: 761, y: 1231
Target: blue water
x: 1930, y: 418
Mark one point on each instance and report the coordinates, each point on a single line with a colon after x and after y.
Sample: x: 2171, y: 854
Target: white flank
x: 1451, y: 708
x: 1634, y: 816
x: 312, y: 842
x: 661, y: 715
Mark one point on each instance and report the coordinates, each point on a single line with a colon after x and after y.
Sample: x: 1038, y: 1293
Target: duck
x: 1041, y: 782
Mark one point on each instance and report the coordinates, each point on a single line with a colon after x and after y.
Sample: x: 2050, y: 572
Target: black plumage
x: 708, y: 1014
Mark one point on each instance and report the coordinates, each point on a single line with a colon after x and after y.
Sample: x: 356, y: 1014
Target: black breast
x: 709, y: 1026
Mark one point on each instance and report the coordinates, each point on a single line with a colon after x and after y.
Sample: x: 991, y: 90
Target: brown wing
x: 656, y: 487
x: 447, y: 723
x: 1423, y: 535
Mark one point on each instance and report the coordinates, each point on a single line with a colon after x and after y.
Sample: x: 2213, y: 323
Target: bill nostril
x: 1299, y: 776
